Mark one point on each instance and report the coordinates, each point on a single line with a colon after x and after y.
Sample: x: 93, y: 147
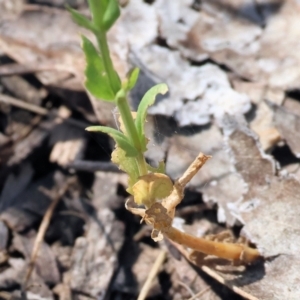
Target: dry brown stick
x: 42, y: 229
x: 94, y: 166
x: 39, y: 110
x: 20, y: 69
x: 22, y: 104
x: 153, y: 272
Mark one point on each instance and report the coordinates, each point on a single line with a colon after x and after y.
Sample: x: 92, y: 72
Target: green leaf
x: 128, y: 165
x: 81, y: 20
x: 122, y: 140
x: 111, y: 14
x: 148, y: 100
x: 132, y: 78
x: 97, y: 81
x: 97, y: 8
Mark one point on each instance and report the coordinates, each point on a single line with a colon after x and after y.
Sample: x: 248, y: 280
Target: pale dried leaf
x: 69, y: 143
x: 33, y: 37
x: 10, y: 9
x: 288, y: 124
x: 196, y: 93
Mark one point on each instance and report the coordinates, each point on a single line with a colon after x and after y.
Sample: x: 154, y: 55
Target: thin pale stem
x: 153, y: 273
x: 192, y: 170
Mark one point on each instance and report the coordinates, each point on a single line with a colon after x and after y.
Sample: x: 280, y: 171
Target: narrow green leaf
x: 111, y: 14
x: 97, y: 81
x: 122, y: 141
x: 81, y: 20
x: 147, y: 100
x: 132, y: 78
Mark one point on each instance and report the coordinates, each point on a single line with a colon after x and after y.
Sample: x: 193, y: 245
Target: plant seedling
x: 149, y: 187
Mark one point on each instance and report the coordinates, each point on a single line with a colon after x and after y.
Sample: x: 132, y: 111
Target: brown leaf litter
x: 221, y: 60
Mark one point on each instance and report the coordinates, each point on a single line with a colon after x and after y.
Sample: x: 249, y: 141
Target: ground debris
x: 94, y: 257
x: 45, y: 264
x: 233, y: 72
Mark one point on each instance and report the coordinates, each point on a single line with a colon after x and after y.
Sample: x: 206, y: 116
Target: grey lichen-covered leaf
x: 246, y: 153
x: 271, y: 206
x: 195, y: 93
x: 221, y: 191
x: 271, y: 216
x: 270, y: 211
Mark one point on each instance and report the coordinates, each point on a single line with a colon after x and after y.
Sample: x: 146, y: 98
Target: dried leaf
x: 95, y: 256
x: 288, y: 124
x: 197, y: 93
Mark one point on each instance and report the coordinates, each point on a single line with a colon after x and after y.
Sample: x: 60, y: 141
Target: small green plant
x: 150, y: 187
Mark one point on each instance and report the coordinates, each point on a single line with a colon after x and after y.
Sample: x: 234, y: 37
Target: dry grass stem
x: 153, y: 272
x: 200, y: 294
x: 56, y: 196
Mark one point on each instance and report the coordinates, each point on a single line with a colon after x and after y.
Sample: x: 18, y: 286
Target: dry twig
x: 56, y: 196
x: 154, y: 271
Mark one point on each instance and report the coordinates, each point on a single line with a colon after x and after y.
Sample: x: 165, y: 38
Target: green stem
x: 97, y: 9
x: 131, y: 131
x: 102, y: 42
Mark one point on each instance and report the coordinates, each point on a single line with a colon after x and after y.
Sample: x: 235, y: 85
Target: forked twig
x: 177, y: 194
